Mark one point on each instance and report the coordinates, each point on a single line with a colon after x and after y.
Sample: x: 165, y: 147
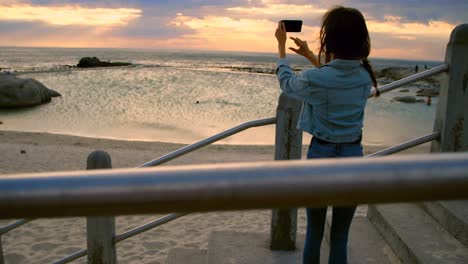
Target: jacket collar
x: 345, y: 64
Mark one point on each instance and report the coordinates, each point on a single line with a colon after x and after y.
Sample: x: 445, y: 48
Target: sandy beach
x: 47, y: 240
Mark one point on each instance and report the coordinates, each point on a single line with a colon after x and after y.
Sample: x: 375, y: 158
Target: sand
x: 48, y: 240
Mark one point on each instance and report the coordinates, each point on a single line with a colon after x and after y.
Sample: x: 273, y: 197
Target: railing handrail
x: 147, y: 226
x: 210, y: 140
x: 410, y: 79
x: 235, y: 186
x: 406, y: 145
x: 7, y: 228
x: 170, y: 217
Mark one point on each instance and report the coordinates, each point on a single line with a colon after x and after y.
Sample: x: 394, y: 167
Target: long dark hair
x: 344, y: 35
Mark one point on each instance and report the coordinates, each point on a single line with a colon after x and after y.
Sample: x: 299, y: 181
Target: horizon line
x: 198, y: 50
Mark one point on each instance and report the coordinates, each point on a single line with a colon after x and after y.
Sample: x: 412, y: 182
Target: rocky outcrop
x: 393, y: 73
x: 428, y: 92
x: 91, y: 62
x: 17, y: 92
x: 408, y: 99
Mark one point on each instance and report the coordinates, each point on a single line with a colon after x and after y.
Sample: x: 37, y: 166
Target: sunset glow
x: 69, y: 15
x: 243, y: 26
x: 395, y: 26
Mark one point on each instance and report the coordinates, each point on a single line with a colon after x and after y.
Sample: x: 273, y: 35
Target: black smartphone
x: 292, y: 25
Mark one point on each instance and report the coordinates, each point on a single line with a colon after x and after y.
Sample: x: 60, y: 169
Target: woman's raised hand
x: 280, y: 33
x: 302, y: 47
x: 281, y: 37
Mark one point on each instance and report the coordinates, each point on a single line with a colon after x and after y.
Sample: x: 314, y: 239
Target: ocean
x: 182, y: 96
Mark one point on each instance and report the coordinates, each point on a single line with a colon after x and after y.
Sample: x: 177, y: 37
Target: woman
x: 334, y: 96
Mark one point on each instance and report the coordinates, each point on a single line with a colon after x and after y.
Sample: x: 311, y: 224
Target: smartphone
x: 292, y: 25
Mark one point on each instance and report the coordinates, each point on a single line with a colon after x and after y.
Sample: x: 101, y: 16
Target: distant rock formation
x: 88, y: 62
x: 408, y: 99
x: 428, y: 92
x: 16, y: 92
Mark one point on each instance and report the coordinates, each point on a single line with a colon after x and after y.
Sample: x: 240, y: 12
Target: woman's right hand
x: 303, y: 50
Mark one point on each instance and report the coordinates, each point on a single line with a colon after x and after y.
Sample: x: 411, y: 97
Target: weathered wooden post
x: 2, y: 259
x: 288, y: 145
x: 452, y: 111
x: 100, y: 230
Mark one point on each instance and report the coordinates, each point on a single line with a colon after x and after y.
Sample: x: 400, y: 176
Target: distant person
x: 429, y: 100
x: 416, y: 68
x: 425, y: 66
x: 334, y: 96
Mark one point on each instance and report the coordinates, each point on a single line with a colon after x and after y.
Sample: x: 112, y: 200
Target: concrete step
x: 187, y: 255
x: 415, y: 236
x: 247, y: 248
x: 366, y: 245
x: 453, y: 216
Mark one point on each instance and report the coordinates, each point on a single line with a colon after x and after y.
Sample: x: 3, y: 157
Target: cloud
x: 426, y: 48
x: 278, y: 9
x: 422, y: 11
x: 67, y: 15
x: 420, y: 26
x: 394, y: 26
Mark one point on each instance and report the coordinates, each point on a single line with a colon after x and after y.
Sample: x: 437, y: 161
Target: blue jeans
x: 342, y: 216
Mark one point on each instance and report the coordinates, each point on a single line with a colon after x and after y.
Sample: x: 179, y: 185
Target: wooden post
x: 2, y: 259
x: 452, y: 111
x: 100, y: 230
x: 288, y: 145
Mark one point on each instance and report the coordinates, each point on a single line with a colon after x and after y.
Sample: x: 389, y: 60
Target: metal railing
x: 227, y: 187
x: 410, y: 79
x: 237, y: 186
x: 406, y: 145
x: 171, y: 217
x: 187, y: 149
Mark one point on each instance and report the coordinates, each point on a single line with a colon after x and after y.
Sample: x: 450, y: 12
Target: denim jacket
x: 334, y: 97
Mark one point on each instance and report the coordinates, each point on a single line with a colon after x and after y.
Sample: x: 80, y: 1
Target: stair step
x: 453, y: 216
x: 187, y: 255
x: 365, y: 245
x: 415, y: 236
x: 247, y: 248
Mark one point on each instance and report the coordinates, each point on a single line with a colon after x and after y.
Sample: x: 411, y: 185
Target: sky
x: 403, y: 29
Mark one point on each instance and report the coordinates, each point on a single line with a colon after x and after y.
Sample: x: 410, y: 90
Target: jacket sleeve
x: 292, y: 84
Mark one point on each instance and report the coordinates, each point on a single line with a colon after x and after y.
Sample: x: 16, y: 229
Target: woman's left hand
x: 280, y: 34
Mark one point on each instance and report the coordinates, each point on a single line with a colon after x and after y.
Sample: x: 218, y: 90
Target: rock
x: 17, y: 92
x: 427, y: 92
x: 88, y: 62
x: 393, y: 73
x: 405, y: 99
x: 23, y: 151
x: 1, y: 123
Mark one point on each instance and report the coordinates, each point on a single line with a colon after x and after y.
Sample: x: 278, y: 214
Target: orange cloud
x: 69, y: 15
x: 410, y: 30
x: 225, y: 33
x: 284, y: 10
